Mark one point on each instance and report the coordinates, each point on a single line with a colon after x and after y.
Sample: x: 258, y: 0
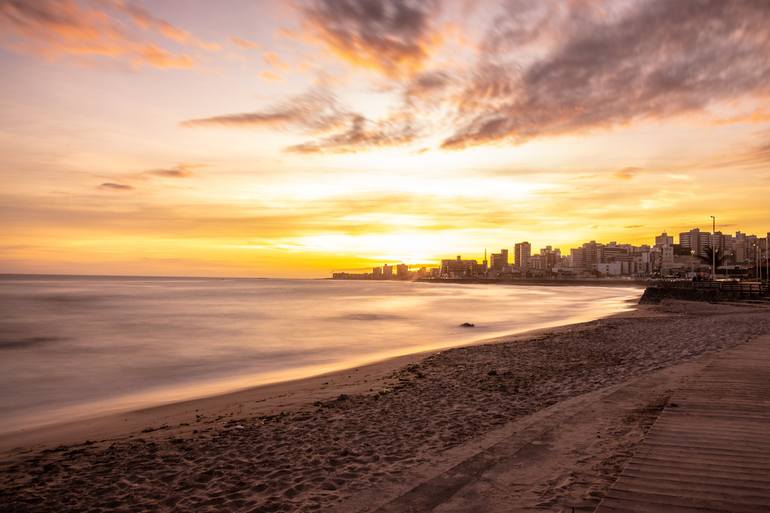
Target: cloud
x: 428, y: 87
x: 316, y: 110
x: 145, y: 20
x: 758, y: 115
x: 270, y: 76
x: 363, y: 134
x: 246, y: 44
x: 340, y: 129
x: 393, y: 37
x: 178, y: 171
x: 112, y: 186
x: 95, y: 32
x: 544, y: 69
x: 626, y: 173
x: 655, y: 58
x: 274, y: 61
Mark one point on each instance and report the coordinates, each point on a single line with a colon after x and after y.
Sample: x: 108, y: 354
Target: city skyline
x: 725, y: 243
x: 288, y: 139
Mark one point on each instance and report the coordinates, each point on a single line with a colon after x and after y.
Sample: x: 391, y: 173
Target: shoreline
x: 123, y: 420
x: 359, y: 439
x: 311, y: 388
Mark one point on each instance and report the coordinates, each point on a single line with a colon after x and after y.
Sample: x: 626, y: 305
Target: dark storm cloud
x: 393, y: 36
x: 656, y: 59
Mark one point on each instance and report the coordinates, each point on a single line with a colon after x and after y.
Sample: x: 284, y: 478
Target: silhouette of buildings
x: 522, y: 253
x: 741, y: 255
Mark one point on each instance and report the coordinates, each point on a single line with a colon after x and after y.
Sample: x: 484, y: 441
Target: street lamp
x: 756, y: 259
x: 713, y: 248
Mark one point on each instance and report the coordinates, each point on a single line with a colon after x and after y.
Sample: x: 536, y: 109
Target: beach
x: 370, y: 436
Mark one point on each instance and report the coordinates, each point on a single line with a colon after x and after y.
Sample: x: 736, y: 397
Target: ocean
x: 73, y: 347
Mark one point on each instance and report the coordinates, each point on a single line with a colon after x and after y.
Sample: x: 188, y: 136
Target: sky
x: 293, y: 139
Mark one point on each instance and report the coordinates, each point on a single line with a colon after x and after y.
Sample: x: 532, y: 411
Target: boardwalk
x: 709, y: 451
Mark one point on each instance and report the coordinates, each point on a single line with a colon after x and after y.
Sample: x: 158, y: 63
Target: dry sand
x: 393, y: 433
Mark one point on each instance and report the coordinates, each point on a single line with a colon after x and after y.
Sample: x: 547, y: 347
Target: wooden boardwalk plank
x: 709, y: 450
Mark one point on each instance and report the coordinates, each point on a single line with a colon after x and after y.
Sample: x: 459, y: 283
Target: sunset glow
x: 294, y: 139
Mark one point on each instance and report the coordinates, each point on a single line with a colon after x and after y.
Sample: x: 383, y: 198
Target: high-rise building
x: 499, y: 260
x: 576, y: 260
x: 387, y: 272
x: 551, y: 258
x: 696, y: 241
x: 740, y: 248
x: 522, y: 252
x: 377, y: 273
x: 610, y: 252
x: 402, y: 271
x: 664, y: 239
x: 591, y: 255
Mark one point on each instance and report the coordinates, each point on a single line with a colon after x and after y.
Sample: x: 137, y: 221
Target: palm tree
x: 717, y: 256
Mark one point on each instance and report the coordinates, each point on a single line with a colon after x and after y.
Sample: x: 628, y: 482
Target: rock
x: 467, y: 325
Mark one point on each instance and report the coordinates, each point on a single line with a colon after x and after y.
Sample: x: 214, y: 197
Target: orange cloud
x: 52, y: 29
x: 270, y: 76
x: 160, y: 58
x: 759, y: 115
x: 626, y: 173
x: 145, y: 20
x: 246, y: 44
x: 273, y: 60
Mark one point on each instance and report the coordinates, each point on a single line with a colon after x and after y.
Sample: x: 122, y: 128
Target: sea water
x: 74, y: 347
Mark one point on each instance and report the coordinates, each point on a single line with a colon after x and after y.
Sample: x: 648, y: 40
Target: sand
x: 368, y: 437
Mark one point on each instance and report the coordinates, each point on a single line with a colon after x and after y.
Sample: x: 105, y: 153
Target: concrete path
x: 709, y: 450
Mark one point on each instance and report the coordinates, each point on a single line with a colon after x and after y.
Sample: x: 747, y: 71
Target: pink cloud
x: 90, y: 31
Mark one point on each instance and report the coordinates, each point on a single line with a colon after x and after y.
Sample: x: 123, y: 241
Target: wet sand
x: 362, y: 438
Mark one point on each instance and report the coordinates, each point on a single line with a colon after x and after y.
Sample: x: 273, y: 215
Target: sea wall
x: 656, y: 294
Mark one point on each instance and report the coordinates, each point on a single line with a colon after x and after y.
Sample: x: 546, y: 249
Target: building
x: 551, y: 259
x: 460, y: 269
x: 696, y: 241
x: 402, y: 272
x: 663, y: 240
x: 387, y: 272
x: 610, y: 268
x: 351, y: 276
x: 522, y: 252
x: 591, y: 255
x: 499, y: 260
x: 667, y: 254
x: 576, y: 260
x: 610, y: 253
